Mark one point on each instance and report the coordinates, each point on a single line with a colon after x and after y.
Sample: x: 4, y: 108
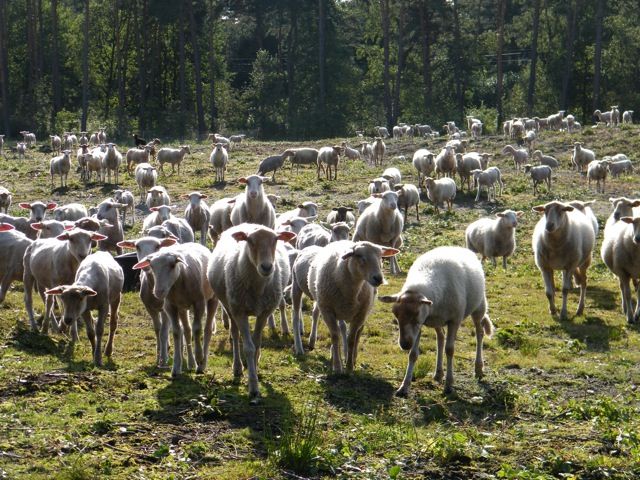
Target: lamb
x: 520, y: 155
x: 494, y: 237
x: 379, y: 149
x: 341, y: 214
x: 81, y: 158
x: 506, y: 129
x: 488, y: 179
x: 615, y: 115
x: 125, y: 197
x: 252, y: 206
x: 83, y: 138
x: 146, y: 178
x: 220, y: 217
x: 627, y: 116
x: 136, y: 156
x: 603, y: 117
x: 70, y: 211
x: 563, y: 240
x: 305, y: 209
x: 93, y: 163
x: 238, y: 138
x: 314, y: 234
x: 246, y: 260
x: 97, y: 286
x: 379, y: 185
x: 465, y: 164
x: 382, y: 224
x: 366, y: 149
x: 5, y: 199
x: 408, y: 197
x: 21, y: 149
x: 219, y: 159
x: 545, y: 159
x: 619, y: 164
x: 301, y: 156
x: 342, y: 280
x: 424, y: 162
x: 585, y: 208
x: 476, y: 130
x: 52, y: 262
x: 197, y: 214
x: 329, y: 156
x: 93, y: 139
x: 619, y: 252
x: 445, y: 162
x: 180, y: 274
x: 13, y: 244
x: 581, y: 156
x: 439, y: 191
x: 60, y: 165
x: 530, y: 138
x: 597, y: 170
x: 382, y: 132
x: 157, y: 216
x: 56, y: 143
x: 622, y: 207
x: 102, y: 135
x: 157, y: 196
x: 426, y: 299
x: 271, y: 164
x: 111, y: 161
x: 350, y: 153
x: 108, y: 210
x: 174, y: 156
x: 539, y: 174
x: 38, y: 213
x: 393, y: 175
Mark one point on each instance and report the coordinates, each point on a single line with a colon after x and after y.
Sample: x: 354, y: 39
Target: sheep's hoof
x: 438, y: 376
x: 448, y: 389
x: 254, y: 398
x: 402, y: 392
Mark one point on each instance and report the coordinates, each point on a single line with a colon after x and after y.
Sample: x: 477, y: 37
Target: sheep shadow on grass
x: 358, y: 392
x: 593, y: 332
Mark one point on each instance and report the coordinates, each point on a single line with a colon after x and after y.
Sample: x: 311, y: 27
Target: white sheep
x: 366, y: 149
x: 109, y: 211
x: 488, y: 178
x: 494, y: 237
x: 441, y: 191
x: 379, y: 149
x: 271, y: 164
x: 220, y: 217
x: 70, y: 211
x: 408, y: 197
x: 539, y: 174
x: 301, y: 156
x: 585, y: 208
x: 125, y: 197
x: 563, y: 240
x: 581, y: 156
x: 393, y: 175
x: 350, y: 153
x: 60, y: 165
x: 157, y: 216
x: 330, y: 156
x: 146, y: 178
x: 111, y: 161
x: 219, y: 159
x: 179, y: 228
x: 136, y: 156
x: 424, y: 162
x: 157, y: 196
x: 56, y: 143
x: 300, y: 285
x: 197, y: 214
x: 382, y: 224
x: 615, y: 115
x: 476, y: 130
x: 545, y: 159
x: 445, y: 162
x: 13, y: 244
x: 597, y: 171
x: 341, y: 214
x: 304, y: 209
x: 382, y: 132
x: 21, y: 150
x: 603, y: 117
x: 97, y: 286
x: 627, y: 116
x: 174, y: 156
x: 443, y: 287
x: 51, y: 228
x: 38, y: 212
x: 313, y: 234
x: 378, y: 185
x: 252, y: 206
x: 619, y: 164
x: 622, y: 207
x: 5, y: 199
x: 530, y: 138
x: 520, y: 155
x: 249, y: 259
x: 465, y: 164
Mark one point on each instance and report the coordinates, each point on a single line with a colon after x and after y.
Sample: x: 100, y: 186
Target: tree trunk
x: 322, y: 94
x: 291, y: 61
x: 457, y: 67
x: 386, y: 76
x: 32, y: 51
x: 85, y: 67
x: 115, y: 42
x: 55, y: 64
x: 400, y: 66
x: 597, y: 60
x: 499, y: 92
x: 213, y: 107
x: 4, y: 67
x: 426, y: 54
x: 572, y: 10
x: 196, y: 68
x: 534, y: 59
x: 141, y: 27
x: 182, y: 85
x: 122, y: 76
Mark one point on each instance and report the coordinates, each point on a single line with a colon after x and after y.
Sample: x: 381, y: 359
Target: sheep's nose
x: 405, y: 344
x: 637, y: 239
x: 266, y: 268
x: 550, y: 227
x: 616, y: 215
x: 68, y: 320
x: 253, y: 194
x: 377, y: 280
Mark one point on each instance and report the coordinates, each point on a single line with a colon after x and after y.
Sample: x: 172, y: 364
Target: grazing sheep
x: 70, y: 211
x: 109, y: 210
x: 408, y: 197
x: 439, y: 191
x: 271, y: 164
x: 301, y: 156
x: 545, y: 159
x: 13, y: 244
x: 627, y: 116
x: 494, y: 237
x: 305, y: 209
x: 252, y: 206
x: 341, y: 214
x: 111, y: 161
x: 379, y: 149
x: 342, y: 279
x: 424, y: 162
x: 379, y: 185
x: 563, y: 240
x: 197, y: 214
x: 619, y: 164
x: 443, y: 287
x: 180, y: 274
x: 157, y: 196
x: 539, y: 174
x: 97, y: 286
x: 56, y: 143
x: 318, y: 235
x: 246, y: 260
x: 174, y: 156
x: 382, y: 132
x: 220, y: 217
x: 581, y: 156
x: 22, y: 224
x: 393, y: 175
x: 520, y: 155
x: 382, y: 224
x: 5, y: 199
x: 125, y: 197
x: 219, y: 159
x: 445, y: 162
x: 585, y: 208
x: 60, y: 165
x: 350, y: 153
x: 329, y: 156
x: 465, y: 164
x: 157, y: 216
x: 488, y: 179
x: 146, y: 178
x: 597, y: 170
x: 179, y: 228
x: 237, y: 138
x: 136, y: 156
x: 366, y: 149
x: 529, y: 138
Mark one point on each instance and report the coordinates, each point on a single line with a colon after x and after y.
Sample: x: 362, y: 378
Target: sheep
x: 157, y: 196
x: 108, y: 210
x: 157, y: 216
x: 398, y: 132
x: 379, y: 149
x: 13, y: 244
x: 506, y: 129
x: 220, y: 217
x: 619, y: 252
x: 1, y: 144
x: 627, y: 116
x: 555, y: 121
x: 597, y: 170
x: 238, y: 138
x: 138, y: 141
x: 622, y: 207
x: 93, y: 163
x: 217, y: 138
x: 382, y: 132
x: 83, y: 140
x: 304, y: 209
x: 442, y: 288
x: 70, y: 211
x: 585, y: 208
x: 246, y: 260
x: 520, y: 155
x: 125, y: 197
x: 366, y: 203
x: 219, y: 159
x: 5, y: 199
x: 300, y: 285
x: 517, y: 129
x: 21, y: 150
x: 179, y: 228
x: 603, y: 117
x: 97, y: 286
x: 615, y: 115
x: 488, y: 178
x: 318, y: 235
x: 445, y: 162
x: 342, y: 279
x: 197, y: 214
x: 408, y: 197
x: 458, y: 146
x: 56, y: 143
x: 494, y: 237
x: 38, y: 213
x: 252, y: 206
x: 529, y: 138
x: 60, y: 165
x: 465, y: 164
x: 111, y: 161
x: 619, y: 164
x: 81, y: 158
x: 136, y: 156
x: 379, y: 185
x: 471, y: 120
x: 341, y: 214
x: 180, y: 274
x: 424, y: 162
x: 146, y: 177
x: 545, y: 159
x: 93, y: 139
x: 563, y: 240
x: 329, y: 156
x: 301, y: 156
x: 51, y: 262
x: 476, y: 130
x: 539, y: 174
x: 366, y: 149
x: 174, y: 156
x: 439, y: 191
x: 393, y: 175
x: 350, y: 153
x: 29, y: 138
x: 102, y: 135
x: 271, y: 164
x: 382, y: 224
x: 581, y: 156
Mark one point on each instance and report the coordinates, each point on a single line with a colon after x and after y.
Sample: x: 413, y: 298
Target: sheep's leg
x: 417, y: 213
x: 549, y: 287
x: 249, y: 353
x: 234, y: 333
x: 343, y: 334
x: 209, y: 330
x: 171, y: 312
x: 188, y: 338
x: 504, y: 262
x: 284, y: 325
x: 90, y: 328
x: 636, y: 315
x: 354, y: 341
x: 439, y: 373
x: 199, y: 309
x: 5, y: 284
x: 477, y: 322
x: 161, y: 329
x: 315, y: 314
x: 272, y: 324
x: 74, y: 331
x: 403, y: 391
x: 334, y: 330
x: 48, y: 313
x: 97, y: 352
x: 296, y: 301
x: 581, y: 278
x: 449, y: 348
x: 28, y: 282
x: 478, y: 194
x: 625, y: 292
x: 567, y: 285
x: 113, y: 325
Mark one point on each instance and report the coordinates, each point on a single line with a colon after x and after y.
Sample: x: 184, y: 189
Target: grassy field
x: 559, y: 400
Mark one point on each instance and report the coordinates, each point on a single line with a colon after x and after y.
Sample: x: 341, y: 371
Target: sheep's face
x: 389, y: 200
x: 50, y: 228
x: 164, y: 212
x: 339, y: 231
x: 509, y: 217
x: 108, y: 210
x: 254, y: 185
x: 79, y: 242
x: 634, y: 222
x: 297, y: 223
x: 309, y: 209
x: 166, y: 268
x: 342, y: 213
x: 74, y: 300
x: 555, y: 214
x: 38, y: 209
x: 364, y: 261
x: 195, y: 198
x: 261, y: 247
x: 149, y: 245
x: 410, y: 309
x: 623, y: 207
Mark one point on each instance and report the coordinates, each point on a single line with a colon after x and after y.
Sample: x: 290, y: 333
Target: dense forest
x: 308, y: 68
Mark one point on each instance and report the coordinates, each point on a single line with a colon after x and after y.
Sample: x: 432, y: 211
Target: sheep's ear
x: 37, y: 226
x: 142, y: 264
x: 126, y: 244
x: 519, y: 213
x: 167, y: 242
x: 154, y: 209
x: 265, y: 179
x: 567, y: 208
x: 500, y: 214
x: 180, y: 259
x: 286, y: 236
x: 636, y: 203
x: 335, y: 209
x: 538, y: 208
x: 25, y: 205
x: 349, y: 209
x: 589, y: 202
x: 242, y: 180
x: 63, y: 236
x: 627, y: 219
x: 51, y: 205
x: 614, y: 200
x: 88, y: 292
x: 388, y: 298
x: 5, y: 227
x: 239, y: 236
x: 184, y: 195
x: 120, y: 205
x: 377, y: 195
x: 54, y: 291
x: 286, y: 222
x: 203, y: 196
x: 348, y: 254
x: 98, y: 237
x: 69, y: 226
x: 425, y: 301
x: 389, y: 252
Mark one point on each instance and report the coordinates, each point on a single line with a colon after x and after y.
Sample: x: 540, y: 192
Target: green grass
x: 559, y: 399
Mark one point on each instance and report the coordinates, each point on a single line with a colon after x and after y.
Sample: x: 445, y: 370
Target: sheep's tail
x: 487, y: 326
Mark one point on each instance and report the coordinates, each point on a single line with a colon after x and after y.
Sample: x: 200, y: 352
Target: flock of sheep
x: 261, y: 258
